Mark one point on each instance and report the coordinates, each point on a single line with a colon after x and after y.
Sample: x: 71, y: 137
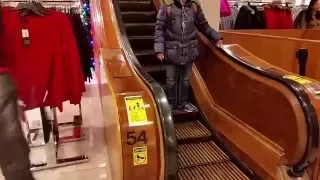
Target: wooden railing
x: 280, y: 47
x: 251, y: 109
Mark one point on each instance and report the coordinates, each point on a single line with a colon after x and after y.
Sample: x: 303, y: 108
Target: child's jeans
x: 177, y: 84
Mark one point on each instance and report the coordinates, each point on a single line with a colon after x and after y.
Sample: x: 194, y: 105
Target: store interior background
x: 93, y: 121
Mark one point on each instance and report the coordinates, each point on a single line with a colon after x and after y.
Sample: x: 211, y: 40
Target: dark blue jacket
x: 176, y: 34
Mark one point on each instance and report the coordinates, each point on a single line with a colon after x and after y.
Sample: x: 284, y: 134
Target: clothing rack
x: 237, y: 2
x: 58, y: 1
x: 56, y: 140
x: 52, y: 146
x: 265, y: 2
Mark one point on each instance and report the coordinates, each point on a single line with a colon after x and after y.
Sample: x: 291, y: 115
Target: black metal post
x: 302, y: 56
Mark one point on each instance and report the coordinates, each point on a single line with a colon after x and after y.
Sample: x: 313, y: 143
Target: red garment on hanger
x: 278, y: 18
x: 271, y: 18
x: 46, y: 72
x: 289, y: 20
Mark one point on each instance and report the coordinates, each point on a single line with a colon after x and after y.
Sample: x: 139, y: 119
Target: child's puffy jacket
x: 176, y: 32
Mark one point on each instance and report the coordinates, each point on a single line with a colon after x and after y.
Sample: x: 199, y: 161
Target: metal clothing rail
x: 257, y: 1
x: 58, y: 1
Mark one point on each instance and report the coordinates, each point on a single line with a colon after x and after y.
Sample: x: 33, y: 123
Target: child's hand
x: 219, y: 43
x: 160, y: 56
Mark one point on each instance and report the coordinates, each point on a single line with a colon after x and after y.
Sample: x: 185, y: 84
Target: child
x: 176, y: 42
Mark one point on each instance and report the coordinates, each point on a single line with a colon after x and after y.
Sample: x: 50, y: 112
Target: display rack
x: 50, y: 150
x: 47, y: 138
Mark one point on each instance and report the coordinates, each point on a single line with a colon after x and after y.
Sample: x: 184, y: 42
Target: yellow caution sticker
x: 298, y: 79
x: 136, y: 111
x: 140, y: 155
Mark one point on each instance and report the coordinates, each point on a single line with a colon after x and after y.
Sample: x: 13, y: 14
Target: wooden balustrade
x: 279, y: 50
x: 122, y: 138
x: 251, y: 112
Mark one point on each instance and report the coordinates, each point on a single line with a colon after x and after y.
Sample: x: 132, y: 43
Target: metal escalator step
x: 135, y: 5
x: 141, y: 37
x: 145, y: 56
x: 218, y: 171
x: 146, y: 52
x: 181, y: 111
x: 191, y: 130
x: 155, y: 68
x: 142, y: 42
x: 138, y: 16
x: 136, y: 29
x: 195, y: 154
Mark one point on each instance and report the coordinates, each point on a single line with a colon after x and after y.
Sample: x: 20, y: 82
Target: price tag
x: 25, y: 37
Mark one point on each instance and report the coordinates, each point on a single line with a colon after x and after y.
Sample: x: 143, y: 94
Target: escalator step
x: 138, y: 16
x: 139, y: 29
x: 219, y: 171
x: 201, y: 153
x: 146, y: 42
x: 191, y: 130
x: 181, y: 111
x: 136, y: 5
x: 147, y: 56
x: 144, y: 52
x: 155, y: 68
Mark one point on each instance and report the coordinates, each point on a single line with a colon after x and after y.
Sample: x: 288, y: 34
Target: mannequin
x: 14, y: 151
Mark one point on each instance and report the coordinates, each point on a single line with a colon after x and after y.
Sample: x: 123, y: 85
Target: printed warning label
x: 298, y: 79
x: 136, y: 111
x: 140, y: 155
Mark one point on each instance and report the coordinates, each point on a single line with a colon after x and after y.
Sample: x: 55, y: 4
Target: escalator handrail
x: 165, y: 113
x: 308, y: 109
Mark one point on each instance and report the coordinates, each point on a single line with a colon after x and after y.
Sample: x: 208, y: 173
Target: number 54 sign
x: 133, y: 137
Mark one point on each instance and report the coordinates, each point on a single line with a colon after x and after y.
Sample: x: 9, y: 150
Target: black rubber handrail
x: 165, y: 113
x: 313, y: 133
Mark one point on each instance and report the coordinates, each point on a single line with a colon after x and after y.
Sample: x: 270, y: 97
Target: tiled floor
x: 94, y: 146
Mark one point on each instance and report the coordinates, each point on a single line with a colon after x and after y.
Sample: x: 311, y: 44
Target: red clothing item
x: 289, y: 20
x: 2, y: 70
x: 47, y: 72
x: 278, y: 18
x: 270, y: 15
x: 69, y: 67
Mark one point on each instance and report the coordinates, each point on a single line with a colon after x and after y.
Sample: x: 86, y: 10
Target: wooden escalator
x: 199, y: 156
x: 229, y: 135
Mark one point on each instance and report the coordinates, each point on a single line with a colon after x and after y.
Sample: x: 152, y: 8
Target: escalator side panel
x: 259, y: 153
x: 304, y: 115
x: 243, y: 94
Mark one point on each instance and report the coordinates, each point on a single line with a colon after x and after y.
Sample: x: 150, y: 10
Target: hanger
x: 27, y: 7
x: 235, y: 5
x: 249, y: 8
x: 40, y: 8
